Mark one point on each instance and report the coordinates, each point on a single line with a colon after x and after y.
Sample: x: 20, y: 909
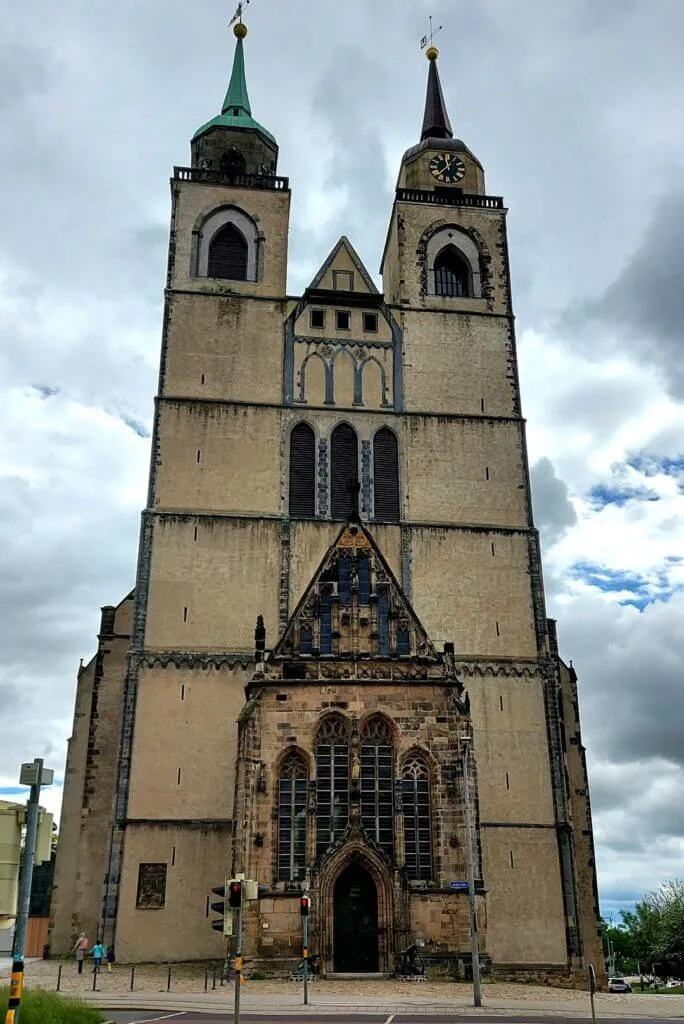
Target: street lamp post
x: 474, y: 944
x: 35, y: 776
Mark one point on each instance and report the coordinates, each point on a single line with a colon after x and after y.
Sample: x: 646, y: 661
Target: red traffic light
x: 304, y: 906
x: 235, y: 894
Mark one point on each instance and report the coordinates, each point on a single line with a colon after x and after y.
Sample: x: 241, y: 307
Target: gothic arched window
x: 302, y: 471
x: 452, y: 274
x: 344, y: 470
x: 386, y: 475
x: 292, y: 792
x: 415, y: 795
x: 332, y: 781
x: 377, y: 806
x: 228, y: 254
x: 232, y: 163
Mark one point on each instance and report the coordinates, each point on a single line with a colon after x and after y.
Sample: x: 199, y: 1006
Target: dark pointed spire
x: 436, y: 123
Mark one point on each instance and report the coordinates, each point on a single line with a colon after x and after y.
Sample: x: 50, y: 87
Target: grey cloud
x: 631, y: 666
x: 642, y: 307
x: 553, y: 512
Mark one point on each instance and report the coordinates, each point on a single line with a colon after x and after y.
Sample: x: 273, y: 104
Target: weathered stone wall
x: 90, y: 781
x: 583, y: 835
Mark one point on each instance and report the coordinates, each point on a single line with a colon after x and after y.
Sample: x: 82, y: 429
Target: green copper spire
x: 236, y: 111
x: 237, y: 97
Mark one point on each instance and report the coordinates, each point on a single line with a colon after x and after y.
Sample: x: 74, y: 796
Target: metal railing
x: 419, y: 195
x: 205, y: 176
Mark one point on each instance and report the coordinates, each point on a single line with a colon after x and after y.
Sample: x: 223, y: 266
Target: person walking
x: 97, y: 953
x: 80, y: 949
x: 110, y: 958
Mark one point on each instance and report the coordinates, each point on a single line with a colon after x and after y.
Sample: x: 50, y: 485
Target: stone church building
x: 339, y: 604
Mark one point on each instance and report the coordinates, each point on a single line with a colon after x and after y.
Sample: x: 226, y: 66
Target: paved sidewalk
x: 607, y: 1006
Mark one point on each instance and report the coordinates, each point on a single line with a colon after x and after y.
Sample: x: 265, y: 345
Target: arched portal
x: 355, y: 922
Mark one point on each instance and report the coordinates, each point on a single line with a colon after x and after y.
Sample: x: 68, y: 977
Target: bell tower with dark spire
x: 439, y: 161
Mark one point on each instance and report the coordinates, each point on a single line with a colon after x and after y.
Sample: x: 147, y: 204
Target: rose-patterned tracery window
x: 377, y: 810
x: 292, y: 791
x: 415, y: 793
x: 332, y: 781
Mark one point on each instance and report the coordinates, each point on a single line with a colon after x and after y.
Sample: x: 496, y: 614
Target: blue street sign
x: 460, y: 886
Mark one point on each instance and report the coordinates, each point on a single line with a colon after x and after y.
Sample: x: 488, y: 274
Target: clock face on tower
x: 447, y: 167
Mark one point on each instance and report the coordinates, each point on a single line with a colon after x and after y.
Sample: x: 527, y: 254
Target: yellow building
x: 351, y: 466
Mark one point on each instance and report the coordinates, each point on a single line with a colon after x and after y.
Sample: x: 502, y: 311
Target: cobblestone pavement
x: 336, y: 996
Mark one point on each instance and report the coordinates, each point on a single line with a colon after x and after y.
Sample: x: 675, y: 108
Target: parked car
x: 618, y: 985
x: 673, y: 983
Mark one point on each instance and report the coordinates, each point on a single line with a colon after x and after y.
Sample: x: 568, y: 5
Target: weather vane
x: 238, y: 14
x: 428, y: 38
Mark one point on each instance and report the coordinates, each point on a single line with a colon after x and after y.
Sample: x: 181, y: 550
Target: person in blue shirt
x: 97, y: 953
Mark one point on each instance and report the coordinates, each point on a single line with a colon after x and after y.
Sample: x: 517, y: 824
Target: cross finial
x: 430, y: 35
x: 238, y: 14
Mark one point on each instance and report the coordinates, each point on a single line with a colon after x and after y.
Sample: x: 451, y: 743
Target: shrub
x: 49, y: 1008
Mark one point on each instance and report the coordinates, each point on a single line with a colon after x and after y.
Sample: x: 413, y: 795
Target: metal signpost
x: 33, y: 775
x: 304, y: 910
x: 591, y: 980
x: 235, y: 895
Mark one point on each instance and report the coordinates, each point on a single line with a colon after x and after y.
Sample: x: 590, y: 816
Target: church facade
x: 346, y: 470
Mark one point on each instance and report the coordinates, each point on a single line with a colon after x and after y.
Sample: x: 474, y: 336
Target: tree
x: 656, y: 928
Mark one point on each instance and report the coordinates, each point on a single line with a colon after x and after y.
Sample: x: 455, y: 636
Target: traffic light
x: 304, y: 902
x: 235, y: 894
x: 223, y: 924
x: 11, y: 819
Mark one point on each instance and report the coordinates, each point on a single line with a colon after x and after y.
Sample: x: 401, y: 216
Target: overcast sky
x: 576, y: 112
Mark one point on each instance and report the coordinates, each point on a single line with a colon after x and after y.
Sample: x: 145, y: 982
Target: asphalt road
x: 149, y: 1016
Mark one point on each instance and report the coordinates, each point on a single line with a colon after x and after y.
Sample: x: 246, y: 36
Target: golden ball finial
x: 432, y: 53
x: 240, y: 30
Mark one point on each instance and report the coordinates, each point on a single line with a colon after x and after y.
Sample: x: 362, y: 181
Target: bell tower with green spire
x: 233, y: 142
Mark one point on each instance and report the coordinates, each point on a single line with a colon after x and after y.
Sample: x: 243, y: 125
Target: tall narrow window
x: 302, y: 471
x: 292, y: 818
x: 386, y: 475
x: 415, y: 792
x: 377, y: 807
x: 363, y: 569
x: 332, y: 781
x: 344, y: 470
x: 344, y: 569
x: 452, y: 274
x: 383, y: 624
x: 228, y: 254
x: 325, y: 618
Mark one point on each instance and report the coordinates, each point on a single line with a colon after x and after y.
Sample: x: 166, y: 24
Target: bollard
x: 59, y: 977
x: 168, y: 980
x: 213, y: 977
x: 95, y: 978
x: 132, y: 976
x: 206, y: 978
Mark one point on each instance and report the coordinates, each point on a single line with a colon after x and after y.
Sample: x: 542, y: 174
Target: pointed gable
x: 342, y: 262
x: 354, y: 611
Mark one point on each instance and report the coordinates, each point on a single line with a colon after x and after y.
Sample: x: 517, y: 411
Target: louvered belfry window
x: 302, y: 471
x: 228, y: 254
x: 415, y: 793
x: 377, y: 805
x: 332, y: 781
x: 344, y: 469
x: 452, y: 274
x: 386, y: 475
x: 292, y: 792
